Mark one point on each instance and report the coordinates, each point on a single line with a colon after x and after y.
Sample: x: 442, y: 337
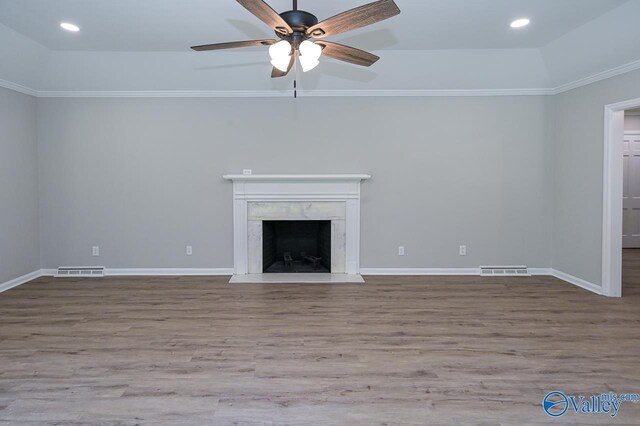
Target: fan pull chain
x: 295, y: 89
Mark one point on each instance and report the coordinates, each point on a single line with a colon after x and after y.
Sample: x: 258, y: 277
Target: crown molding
x: 623, y: 69
x: 425, y: 93
x: 18, y: 88
x: 286, y: 94
x: 166, y: 94
x: 613, y: 72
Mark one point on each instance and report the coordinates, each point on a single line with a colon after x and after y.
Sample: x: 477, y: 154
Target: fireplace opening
x: 301, y: 246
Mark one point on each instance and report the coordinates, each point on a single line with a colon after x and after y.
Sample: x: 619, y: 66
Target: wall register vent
x: 80, y: 271
x: 504, y: 271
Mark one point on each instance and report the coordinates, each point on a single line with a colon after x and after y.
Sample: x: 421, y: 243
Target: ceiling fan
x: 296, y: 29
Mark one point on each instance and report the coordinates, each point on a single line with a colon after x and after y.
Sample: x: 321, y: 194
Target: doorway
x: 631, y: 201
x: 619, y: 196
x: 631, y: 181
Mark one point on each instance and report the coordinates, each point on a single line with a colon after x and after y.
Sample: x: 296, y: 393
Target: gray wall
x: 19, y: 246
x: 141, y: 178
x: 578, y: 161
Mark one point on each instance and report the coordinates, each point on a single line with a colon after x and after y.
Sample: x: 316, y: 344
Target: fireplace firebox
x: 296, y: 246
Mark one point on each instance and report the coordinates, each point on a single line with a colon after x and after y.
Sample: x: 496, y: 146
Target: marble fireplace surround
x: 296, y: 197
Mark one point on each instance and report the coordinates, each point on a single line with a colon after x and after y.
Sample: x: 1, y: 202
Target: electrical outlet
x: 401, y: 251
x: 463, y: 250
x: 247, y: 172
x: 189, y: 250
x: 95, y: 251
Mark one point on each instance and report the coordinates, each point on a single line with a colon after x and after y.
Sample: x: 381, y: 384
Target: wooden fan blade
x: 355, y: 18
x: 276, y: 73
x: 233, y: 45
x: 266, y: 14
x: 347, y: 53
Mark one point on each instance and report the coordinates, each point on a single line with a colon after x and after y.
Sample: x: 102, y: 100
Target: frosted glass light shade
x: 309, y: 55
x: 281, y: 49
x: 281, y: 63
x: 308, y: 62
x: 280, y: 55
x: 310, y: 49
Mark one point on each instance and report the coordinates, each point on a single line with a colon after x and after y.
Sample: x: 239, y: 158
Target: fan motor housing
x: 299, y: 20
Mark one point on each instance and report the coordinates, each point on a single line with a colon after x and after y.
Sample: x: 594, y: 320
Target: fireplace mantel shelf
x: 316, y: 178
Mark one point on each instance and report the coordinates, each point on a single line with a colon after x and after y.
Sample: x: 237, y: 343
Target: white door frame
x: 612, y: 196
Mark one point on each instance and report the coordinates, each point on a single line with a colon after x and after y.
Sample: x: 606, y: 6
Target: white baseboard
x: 169, y: 272
x: 577, y: 281
x: 364, y: 271
x: 420, y: 271
x: 540, y: 271
x: 438, y: 271
x: 476, y: 271
x: 20, y: 280
x: 157, y: 272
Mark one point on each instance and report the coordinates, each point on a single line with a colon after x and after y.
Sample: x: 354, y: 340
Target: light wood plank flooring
x: 396, y: 350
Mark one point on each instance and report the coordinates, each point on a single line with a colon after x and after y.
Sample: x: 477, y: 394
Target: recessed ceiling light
x: 70, y: 27
x: 519, y: 23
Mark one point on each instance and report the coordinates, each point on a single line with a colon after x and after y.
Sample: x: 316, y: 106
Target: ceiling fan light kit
x: 281, y: 63
x: 280, y: 55
x: 309, y: 55
x: 308, y: 63
x: 295, y: 29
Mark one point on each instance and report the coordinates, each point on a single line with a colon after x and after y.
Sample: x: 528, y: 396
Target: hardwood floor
x: 396, y: 350
x: 631, y: 272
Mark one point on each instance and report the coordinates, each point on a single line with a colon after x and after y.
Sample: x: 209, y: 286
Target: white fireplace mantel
x: 345, y: 177
x: 334, y: 197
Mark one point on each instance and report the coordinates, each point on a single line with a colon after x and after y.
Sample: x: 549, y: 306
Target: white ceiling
x: 174, y: 25
x: 434, y: 46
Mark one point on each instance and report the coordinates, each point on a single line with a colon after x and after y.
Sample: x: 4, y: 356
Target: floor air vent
x: 80, y: 271
x: 504, y: 271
